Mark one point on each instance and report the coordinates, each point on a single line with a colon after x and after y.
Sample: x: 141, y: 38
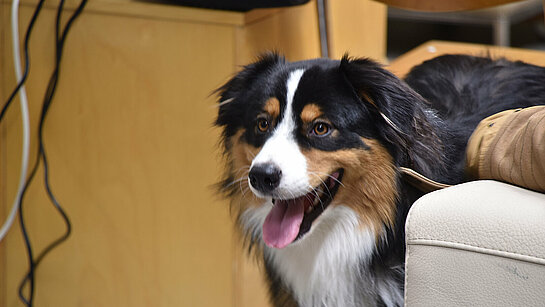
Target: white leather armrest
x: 480, y: 243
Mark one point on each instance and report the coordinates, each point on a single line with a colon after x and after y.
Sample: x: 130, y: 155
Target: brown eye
x: 263, y: 124
x: 321, y: 129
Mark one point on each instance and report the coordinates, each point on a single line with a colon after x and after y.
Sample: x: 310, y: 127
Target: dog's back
x: 465, y: 89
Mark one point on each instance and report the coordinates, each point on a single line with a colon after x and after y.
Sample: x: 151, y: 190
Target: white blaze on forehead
x: 291, y: 86
x: 282, y: 150
x: 287, y: 124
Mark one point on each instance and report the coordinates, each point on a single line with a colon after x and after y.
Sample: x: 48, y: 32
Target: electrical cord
x: 21, y: 77
x: 52, y: 85
x: 27, y: 62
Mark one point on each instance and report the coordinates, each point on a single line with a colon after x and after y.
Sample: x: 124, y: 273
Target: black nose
x: 265, y: 177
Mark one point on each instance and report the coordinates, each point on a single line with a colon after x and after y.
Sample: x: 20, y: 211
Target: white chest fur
x: 327, y: 266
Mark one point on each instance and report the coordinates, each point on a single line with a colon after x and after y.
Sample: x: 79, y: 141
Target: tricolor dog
x: 313, y: 151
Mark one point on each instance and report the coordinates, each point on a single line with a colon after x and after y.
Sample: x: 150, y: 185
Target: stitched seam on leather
x: 487, y: 250
x: 408, y: 252
x: 405, y: 288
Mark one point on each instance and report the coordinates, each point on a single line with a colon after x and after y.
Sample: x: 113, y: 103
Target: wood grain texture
x: 357, y: 27
x: 142, y: 9
x: 292, y: 32
x: 132, y: 157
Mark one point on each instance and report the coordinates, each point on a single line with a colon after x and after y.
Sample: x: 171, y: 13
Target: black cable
x: 52, y: 85
x: 12, y: 96
x: 26, y: 238
x: 27, y: 61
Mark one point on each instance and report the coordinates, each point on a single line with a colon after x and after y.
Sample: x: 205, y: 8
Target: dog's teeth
x: 309, y: 209
x: 316, y: 201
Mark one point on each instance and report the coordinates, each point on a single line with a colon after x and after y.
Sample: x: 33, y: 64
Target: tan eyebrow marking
x: 310, y: 112
x: 272, y: 106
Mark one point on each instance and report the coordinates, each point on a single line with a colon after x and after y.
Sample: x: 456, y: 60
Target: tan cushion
x: 510, y: 146
x: 480, y: 243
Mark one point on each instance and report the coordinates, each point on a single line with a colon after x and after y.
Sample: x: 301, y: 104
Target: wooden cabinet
x: 133, y: 154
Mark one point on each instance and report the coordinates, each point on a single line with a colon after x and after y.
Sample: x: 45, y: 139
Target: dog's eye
x: 321, y: 129
x: 263, y: 124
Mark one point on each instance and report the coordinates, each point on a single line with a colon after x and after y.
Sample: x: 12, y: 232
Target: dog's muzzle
x: 265, y: 177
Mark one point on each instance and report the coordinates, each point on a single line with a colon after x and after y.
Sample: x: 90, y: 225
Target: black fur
x: 432, y: 113
x: 464, y: 90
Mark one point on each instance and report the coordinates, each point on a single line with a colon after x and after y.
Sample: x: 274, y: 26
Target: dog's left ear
x: 400, y: 113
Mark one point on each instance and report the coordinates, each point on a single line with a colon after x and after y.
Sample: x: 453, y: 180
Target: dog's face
x: 304, y: 138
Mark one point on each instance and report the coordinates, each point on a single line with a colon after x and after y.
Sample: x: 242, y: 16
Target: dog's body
x: 319, y: 143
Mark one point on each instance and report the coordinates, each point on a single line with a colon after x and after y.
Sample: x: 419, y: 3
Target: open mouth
x: 291, y: 219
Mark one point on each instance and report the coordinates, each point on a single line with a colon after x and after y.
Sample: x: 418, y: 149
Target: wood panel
x: 143, y: 9
x: 357, y: 27
x: 402, y: 65
x: 132, y: 156
x: 292, y: 32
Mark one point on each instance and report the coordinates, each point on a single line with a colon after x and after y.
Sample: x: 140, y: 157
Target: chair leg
x: 502, y: 32
x: 322, y: 25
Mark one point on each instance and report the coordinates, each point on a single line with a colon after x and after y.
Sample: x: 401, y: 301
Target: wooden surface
x: 132, y: 150
x: 431, y: 49
x: 357, y: 27
x: 292, y: 32
x: 354, y: 26
x: 132, y: 157
x: 141, y: 9
x: 444, y: 5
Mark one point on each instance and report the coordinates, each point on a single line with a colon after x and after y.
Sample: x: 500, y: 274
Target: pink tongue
x: 282, y: 224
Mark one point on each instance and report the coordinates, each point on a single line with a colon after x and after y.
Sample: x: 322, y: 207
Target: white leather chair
x: 480, y: 243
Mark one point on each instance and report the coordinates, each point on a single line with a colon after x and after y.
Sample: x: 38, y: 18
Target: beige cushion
x: 476, y: 244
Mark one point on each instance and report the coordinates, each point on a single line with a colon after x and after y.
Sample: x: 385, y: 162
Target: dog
x: 313, y: 151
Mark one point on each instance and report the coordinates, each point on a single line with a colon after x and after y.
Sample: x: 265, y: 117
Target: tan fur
x: 310, y: 113
x: 368, y: 183
x: 241, y: 199
x: 242, y: 155
x: 272, y: 106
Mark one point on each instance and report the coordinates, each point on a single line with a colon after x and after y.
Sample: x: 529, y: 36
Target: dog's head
x: 301, y: 138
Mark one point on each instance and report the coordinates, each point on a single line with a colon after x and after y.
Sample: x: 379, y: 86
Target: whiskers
x: 241, y: 178
x: 226, y: 101
x: 250, y: 154
x: 328, y: 176
x: 318, y: 190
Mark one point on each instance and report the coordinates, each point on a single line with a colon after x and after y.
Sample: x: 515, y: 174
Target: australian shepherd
x: 313, y: 155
